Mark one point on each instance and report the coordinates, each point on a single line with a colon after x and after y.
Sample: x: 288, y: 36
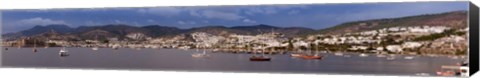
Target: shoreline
x: 266, y: 52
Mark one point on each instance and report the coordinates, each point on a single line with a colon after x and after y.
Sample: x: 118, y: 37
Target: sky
x: 315, y: 16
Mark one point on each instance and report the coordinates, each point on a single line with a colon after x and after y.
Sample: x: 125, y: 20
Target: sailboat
x: 259, y: 58
x: 337, y: 53
x: 408, y: 57
x: 95, y: 46
x: 34, y: 45
x: 19, y: 46
x: 297, y: 54
x: 315, y: 56
x: 63, y: 52
x: 115, y: 47
x: 363, y: 55
x: 391, y: 58
x: 46, y: 44
x: 199, y: 55
x: 381, y: 55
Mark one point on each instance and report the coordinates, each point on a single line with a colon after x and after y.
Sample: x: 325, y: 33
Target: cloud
x: 150, y: 20
x: 271, y: 9
x: 195, y: 13
x: 206, y: 21
x: 221, y: 15
x: 293, y: 12
x: 136, y: 23
x: 249, y: 21
x: 39, y: 21
x: 263, y: 10
x: 186, y: 22
x: 162, y: 11
x: 118, y: 22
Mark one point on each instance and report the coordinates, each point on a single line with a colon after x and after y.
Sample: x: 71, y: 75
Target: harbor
x: 180, y: 59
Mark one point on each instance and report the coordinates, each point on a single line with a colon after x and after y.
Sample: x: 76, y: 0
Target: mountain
x: 162, y: 31
x: 262, y: 28
x: 455, y: 19
x: 40, y: 29
x: 57, y: 28
x: 108, y: 31
x: 216, y: 30
x: 294, y: 31
x: 120, y: 31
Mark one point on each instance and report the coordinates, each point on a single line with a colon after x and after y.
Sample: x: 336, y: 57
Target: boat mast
x: 34, y: 43
x: 46, y: 43
x: 96, y: 39
x: 263, y: 51
x: 254, y: 52
x: 204, y: 52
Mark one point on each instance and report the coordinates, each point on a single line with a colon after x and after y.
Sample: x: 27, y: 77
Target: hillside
x: 156, y: 31
x: 456, y: 19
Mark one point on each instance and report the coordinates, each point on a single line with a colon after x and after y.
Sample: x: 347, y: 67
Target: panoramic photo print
x: 409, y: 38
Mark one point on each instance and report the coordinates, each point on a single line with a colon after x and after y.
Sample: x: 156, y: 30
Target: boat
x: 312, y: 57
x: 422, y: 74
x: 381, y: 55
x: 200, y: 55
x: 63, y: 52
x: 408, y: 57
x: 338, y: 54
x: 34, y: 45
x: 259, y: 58
x: 363, y: 55
x: 95, y: 48
x: 346, y: 56
x: 457, y: 70
x: 34, y: 50
x: 137, y: 48
x: 114, y: 47
x: 183, y: 47
x: 296, y: 55
x: 391, y: 58
x: 464, y: 69
x: 454, y: 57
x: 46, y: 44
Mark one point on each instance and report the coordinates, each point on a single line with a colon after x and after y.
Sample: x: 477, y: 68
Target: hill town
x: 382, y: 36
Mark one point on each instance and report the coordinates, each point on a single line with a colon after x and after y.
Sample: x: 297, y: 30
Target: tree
x: 290, y: 44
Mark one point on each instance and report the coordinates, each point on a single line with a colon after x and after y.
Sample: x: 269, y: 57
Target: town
x: 393, y: 40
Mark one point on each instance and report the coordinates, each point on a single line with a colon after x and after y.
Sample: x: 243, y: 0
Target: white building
x: 411, y: 45
x: 394, y: 48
